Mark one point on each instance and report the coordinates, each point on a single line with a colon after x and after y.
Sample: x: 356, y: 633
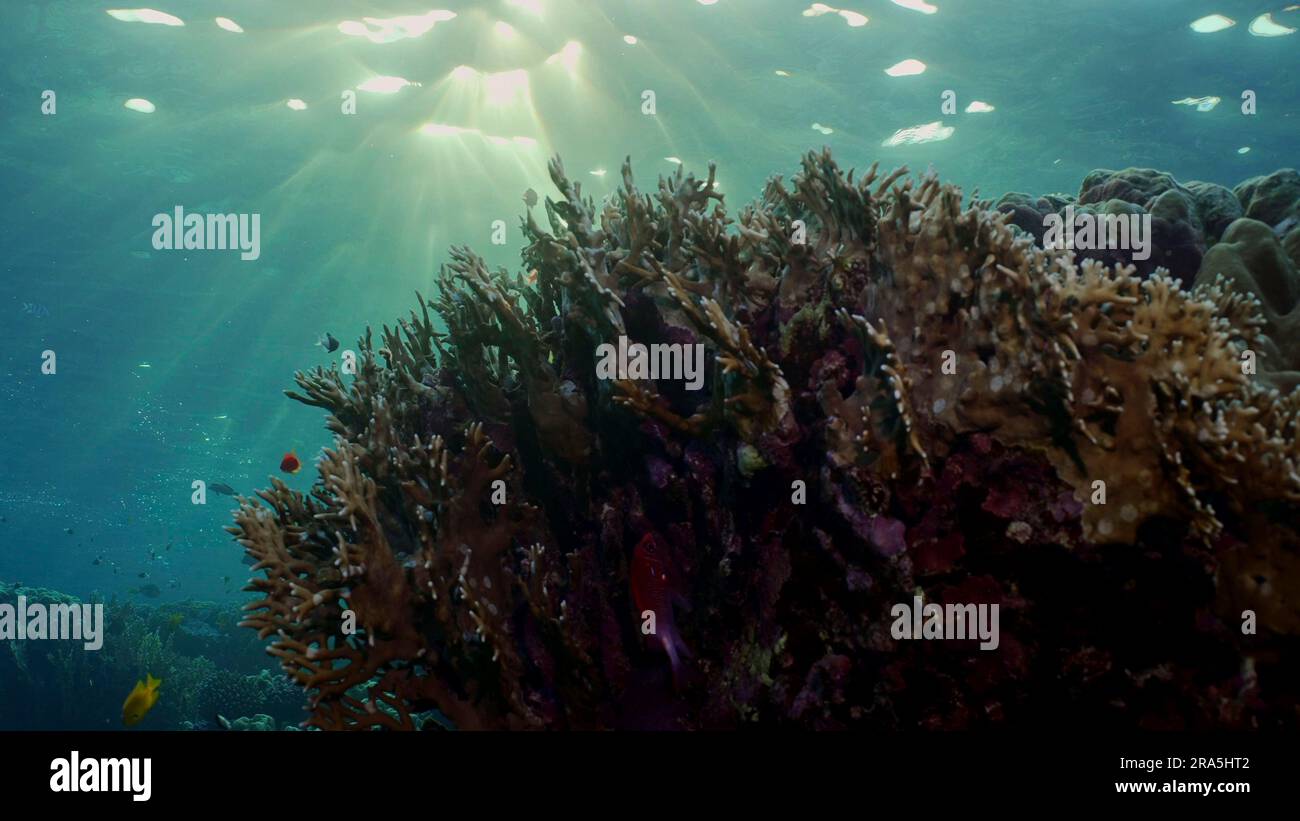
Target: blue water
x: 171, y: 364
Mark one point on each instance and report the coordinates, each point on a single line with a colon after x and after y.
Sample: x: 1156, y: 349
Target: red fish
x: 653, y: 589
x: 290, y: 463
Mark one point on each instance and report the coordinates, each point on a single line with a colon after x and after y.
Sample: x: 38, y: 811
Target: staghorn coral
x: 947, y: 394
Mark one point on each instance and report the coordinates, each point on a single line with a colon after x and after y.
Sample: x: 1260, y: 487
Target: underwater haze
x: 370, y: 138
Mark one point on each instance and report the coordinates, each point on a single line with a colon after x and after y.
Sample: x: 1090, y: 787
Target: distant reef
x: 207, y: 668
x: 905, y: 396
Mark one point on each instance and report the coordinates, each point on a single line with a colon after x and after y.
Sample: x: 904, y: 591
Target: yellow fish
x: 141, y: 700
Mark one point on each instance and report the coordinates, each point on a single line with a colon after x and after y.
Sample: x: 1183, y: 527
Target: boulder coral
x: 1272, y: 198
x: 905, y: 396
x: 1254, y: 262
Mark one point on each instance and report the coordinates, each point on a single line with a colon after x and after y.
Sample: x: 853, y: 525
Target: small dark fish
x: 67, y: 530
x: 98, y: 560
x: 530, y: 198
x: 226, y: 579
x: 173, y: 583
x: 142, y: 575
x: 222, y: 488
x: 328, y: 342
x: 168, y: 547
x: 150, y: 591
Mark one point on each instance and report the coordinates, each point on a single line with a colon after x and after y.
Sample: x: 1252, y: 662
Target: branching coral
x: 902, y: 394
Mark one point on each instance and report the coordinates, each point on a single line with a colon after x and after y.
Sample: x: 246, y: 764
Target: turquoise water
x: 171, y: 364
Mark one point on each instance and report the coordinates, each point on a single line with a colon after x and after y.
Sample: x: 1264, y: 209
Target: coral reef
x: 226, y: 692
x: 204, y: 670
x: 259, y: 723
x: 1251, y: 258
x: 905, y: 396
x: 1190, y: 226
x: 1271, y: 199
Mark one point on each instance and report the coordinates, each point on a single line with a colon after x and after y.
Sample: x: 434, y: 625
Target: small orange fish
x: 290, y: 463
x: 532, y: 277
x: 141, y: 700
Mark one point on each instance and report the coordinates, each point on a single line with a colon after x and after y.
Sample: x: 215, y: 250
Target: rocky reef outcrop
x: 904, y: 397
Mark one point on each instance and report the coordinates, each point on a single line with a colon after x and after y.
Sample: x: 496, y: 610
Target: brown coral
x: 878, y: 340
